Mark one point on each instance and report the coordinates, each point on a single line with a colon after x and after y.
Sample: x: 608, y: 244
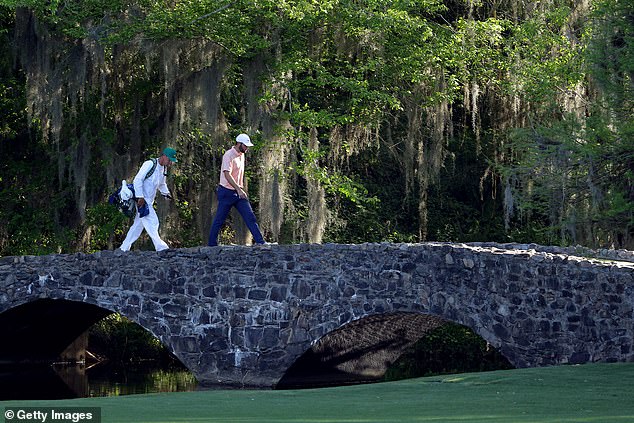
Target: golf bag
x: 125, y: 200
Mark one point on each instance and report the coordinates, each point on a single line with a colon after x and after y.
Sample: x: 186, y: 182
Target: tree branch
x: 220, y: 9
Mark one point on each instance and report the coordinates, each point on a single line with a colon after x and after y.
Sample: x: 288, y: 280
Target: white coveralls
x: 146, y: 188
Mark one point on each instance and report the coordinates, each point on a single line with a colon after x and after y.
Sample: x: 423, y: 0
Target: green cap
x: 171, y: 154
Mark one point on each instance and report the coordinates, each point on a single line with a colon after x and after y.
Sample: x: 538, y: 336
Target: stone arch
x: 40, y: 330
x: 361, y: 350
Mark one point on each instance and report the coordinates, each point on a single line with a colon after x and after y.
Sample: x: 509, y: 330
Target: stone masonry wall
x: 242, y: 315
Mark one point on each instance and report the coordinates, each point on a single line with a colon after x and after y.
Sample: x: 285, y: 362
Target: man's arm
x: 241, y: 193
x: 163, y: 189
x: 138, y: 182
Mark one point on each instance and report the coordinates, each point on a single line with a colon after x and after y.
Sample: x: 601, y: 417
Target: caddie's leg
x: 245, y: 210
x: 133, y: 233
x: 151, y: 225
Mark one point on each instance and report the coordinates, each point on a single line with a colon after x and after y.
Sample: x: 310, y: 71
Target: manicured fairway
x: 590, y: 393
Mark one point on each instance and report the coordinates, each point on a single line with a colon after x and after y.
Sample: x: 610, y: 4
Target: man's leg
x: 226, y: 198
x: 245, y: 210
x: 133, y: 233
x: 151, y: 225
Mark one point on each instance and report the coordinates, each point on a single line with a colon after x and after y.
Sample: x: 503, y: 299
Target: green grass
x: 590, y: 393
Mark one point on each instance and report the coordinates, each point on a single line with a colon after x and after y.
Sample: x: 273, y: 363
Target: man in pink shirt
x: 231, y: 191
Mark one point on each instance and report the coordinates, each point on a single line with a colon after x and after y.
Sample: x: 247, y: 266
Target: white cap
x: 244, y: 139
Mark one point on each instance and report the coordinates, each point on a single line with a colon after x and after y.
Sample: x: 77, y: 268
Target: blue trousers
x: 228, y: 198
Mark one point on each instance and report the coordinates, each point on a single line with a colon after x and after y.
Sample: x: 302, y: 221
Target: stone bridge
x: 243, y: 315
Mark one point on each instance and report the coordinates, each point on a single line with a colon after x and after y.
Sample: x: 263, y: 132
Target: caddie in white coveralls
x: 145, y: 189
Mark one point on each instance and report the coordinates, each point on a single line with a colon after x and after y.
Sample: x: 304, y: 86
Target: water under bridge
x: 244, y: 315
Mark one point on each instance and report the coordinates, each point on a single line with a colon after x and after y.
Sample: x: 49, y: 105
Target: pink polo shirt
x: 233, y: 161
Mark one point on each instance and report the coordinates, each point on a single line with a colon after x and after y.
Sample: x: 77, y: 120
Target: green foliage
x: 28, y: 205
x: 333, y: 182
x: 355, y: 72
x: 610, y: 57
x: 12, y: 89
x: 188, y: 233
x: 544, y: 61
x: 120, y: 21
x: 120, y: 340
x: 75, y: 19
x: 387, y: 215
x: 571, y: 176
x: 11, y: 98
x: 476, y: 50
x: 539, y: 107
x: 451, y: 348
x: 108, y: 225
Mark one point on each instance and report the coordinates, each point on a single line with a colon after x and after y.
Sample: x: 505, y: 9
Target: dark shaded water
x: 75, y: 381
